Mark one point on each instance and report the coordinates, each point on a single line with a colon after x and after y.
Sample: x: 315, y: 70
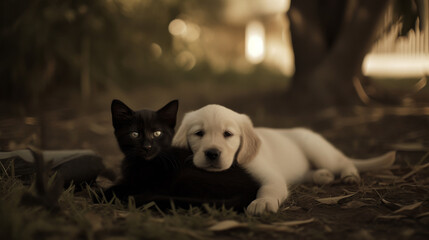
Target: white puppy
x: 276, y: 158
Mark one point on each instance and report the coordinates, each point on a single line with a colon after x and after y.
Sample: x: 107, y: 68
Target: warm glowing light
x: 186, y: 30
x: 395, y: 65
x: 241, y: 11
x: 255, y: 42
x: 186, y: 60
x: 177, y: 27
x: 279, y: 55
x: 156, y: 50
x: 192, y: 32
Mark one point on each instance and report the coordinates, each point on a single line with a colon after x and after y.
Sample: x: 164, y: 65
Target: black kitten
x: 153, y: 170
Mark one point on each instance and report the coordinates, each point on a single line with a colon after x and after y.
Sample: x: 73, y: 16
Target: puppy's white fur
x: 275, y: 157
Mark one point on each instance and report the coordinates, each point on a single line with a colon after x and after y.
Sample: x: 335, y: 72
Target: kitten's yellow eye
x: 157, y: 133
x: 134, y: 134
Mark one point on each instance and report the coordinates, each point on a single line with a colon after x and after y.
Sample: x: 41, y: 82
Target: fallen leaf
x: 362, y: 234
x: 279, y: 227
x: 386, y: 177
x: 158, y: 220
x: 425, y: 214
x: 294, y: 223
x: 327, y: 228
x: 226, y: 225
x: 118, y: 214
x: 267, y: 227
x: 354, y: 204
x: 391, y: 217
x: 409, y: 207
x: 333, y: 200
x: 291, y: 208
x: 417, y: 146
x: 415, y: 170
x: 390, y: 205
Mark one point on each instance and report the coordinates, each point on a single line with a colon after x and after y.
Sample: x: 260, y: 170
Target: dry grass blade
x: 409, y: 207
x: 227, y: 225
x: 391, y: 217
x: 4, y: 171
x: 354, y: 204
x: 279, y: 226
x: 267, y: 227
x: 384, y: 175
x: 157, y: 220
x: 294, y: 223
x: 290, y: 208
x: 425, y: 214
x: 120, y: 214
x: 390, y: 205
x: 46, y: 196
x: 417, y: 146
x: 415, y: 170
x: 333, y: 200
x: 186, y: 232
x: 41, y: 174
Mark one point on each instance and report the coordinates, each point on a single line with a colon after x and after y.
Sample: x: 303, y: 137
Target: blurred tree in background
x: 89, y: 46
x: 83, y: 45
x: 330, y: 39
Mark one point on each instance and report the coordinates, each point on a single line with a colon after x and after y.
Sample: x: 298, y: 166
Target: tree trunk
x: 330, y: 39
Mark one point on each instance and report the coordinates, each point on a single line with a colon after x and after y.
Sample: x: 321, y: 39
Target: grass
x: 372, y: 212
x: 389, y: 203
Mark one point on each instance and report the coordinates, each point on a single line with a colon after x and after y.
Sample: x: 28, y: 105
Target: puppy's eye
x: 227, y: 134
x: 134, y: 134
x: 199, y: 133
x: 157, y: 134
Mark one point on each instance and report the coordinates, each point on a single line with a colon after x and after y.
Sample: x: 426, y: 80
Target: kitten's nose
x: 212, y: 154
x: 147, y: 146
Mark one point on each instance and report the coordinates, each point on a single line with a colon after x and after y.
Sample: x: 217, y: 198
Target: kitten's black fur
x: 153, y: 170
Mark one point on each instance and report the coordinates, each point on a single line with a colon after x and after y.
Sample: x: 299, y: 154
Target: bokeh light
x: 156, y: 50
x: 186, y: 60
x: 177, y: 27
x: 255, y: 42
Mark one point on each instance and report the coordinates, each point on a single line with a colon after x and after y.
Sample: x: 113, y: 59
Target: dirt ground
x: 389, y: 204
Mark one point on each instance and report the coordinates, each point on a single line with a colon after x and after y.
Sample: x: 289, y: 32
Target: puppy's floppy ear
x: 180, y: 139
x: 250, y: 142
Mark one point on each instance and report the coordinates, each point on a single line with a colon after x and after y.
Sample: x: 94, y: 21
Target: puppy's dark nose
x: 212, y: 154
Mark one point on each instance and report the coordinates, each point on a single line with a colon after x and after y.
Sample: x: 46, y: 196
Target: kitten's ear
x: 168, y: 113
x: 120, y: 112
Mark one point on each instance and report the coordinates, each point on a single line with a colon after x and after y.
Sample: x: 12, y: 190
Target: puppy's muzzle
x: 212, y: 154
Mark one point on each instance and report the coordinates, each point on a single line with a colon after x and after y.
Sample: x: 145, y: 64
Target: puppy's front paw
x: 351, y: 179
x: 261, y: 205
x: 350, y: 176
x: 323, y: 176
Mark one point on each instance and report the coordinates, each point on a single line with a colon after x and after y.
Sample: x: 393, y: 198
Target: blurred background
x: 325, y: 64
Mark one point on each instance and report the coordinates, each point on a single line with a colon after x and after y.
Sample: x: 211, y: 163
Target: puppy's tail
x: 381, y: 162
